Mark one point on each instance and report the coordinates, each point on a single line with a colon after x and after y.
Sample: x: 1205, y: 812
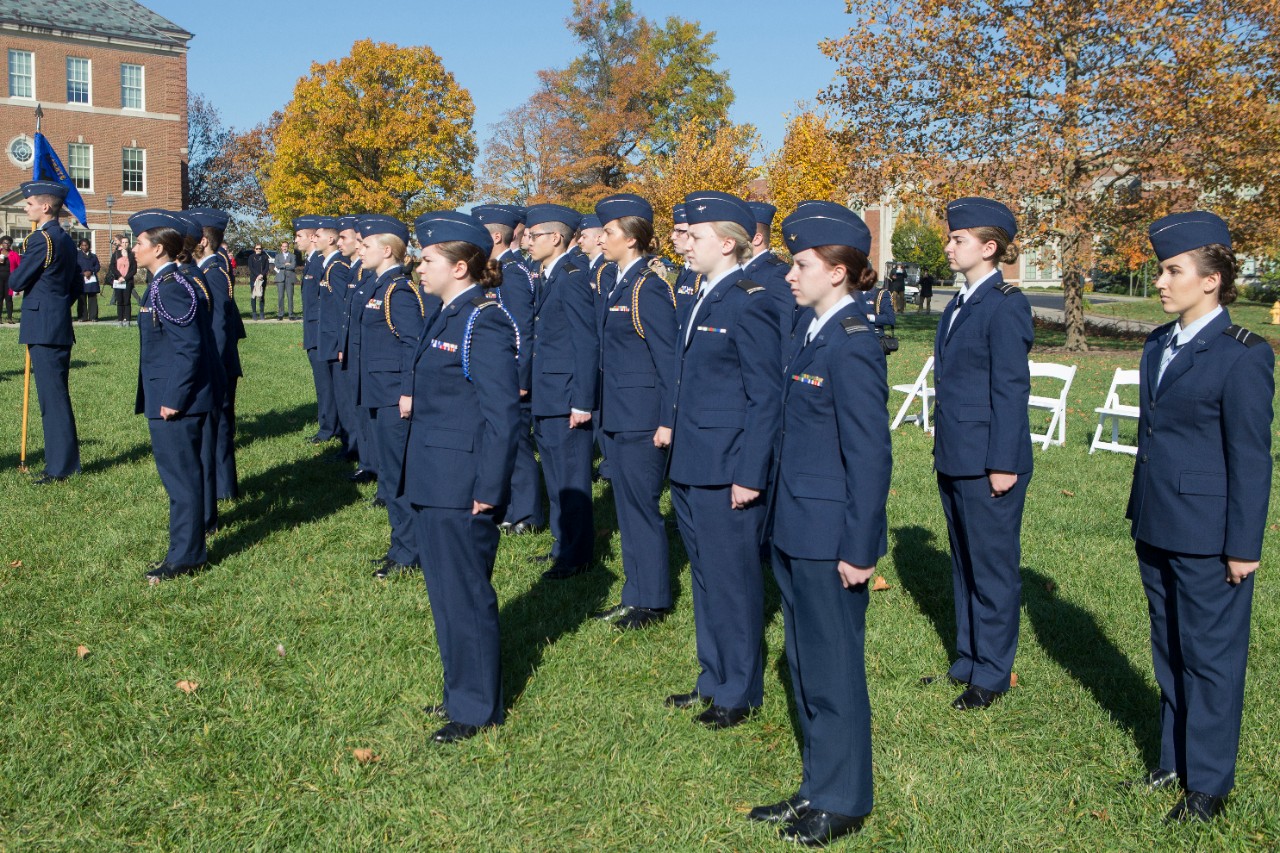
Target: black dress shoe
x: 378, y: 503
x: 1196, y: 806
x: 360, y: 475
x: 48, y: 479
x: 788, y: 810
x: 563, y: 571
x: 686, y: 700
x: 391, y: 568
x: 378, y: 561
x: 639, y: 617
x: 168, y: 571
x: 974, y: 698
x: 1153, y: 781
x: 718, y: 717
x: 818, y: 828
x: 544, y: 558
x: 522, y: 528
x: 453, y: 732
x: 930, y: 679
x: 613, y: 612
x: 436, y: 711
x: 315, y: 439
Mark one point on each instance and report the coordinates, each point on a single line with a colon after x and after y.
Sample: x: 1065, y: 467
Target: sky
x: 246, y: 56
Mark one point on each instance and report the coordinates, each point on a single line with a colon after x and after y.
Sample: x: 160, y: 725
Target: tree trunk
x: 1073, y: 308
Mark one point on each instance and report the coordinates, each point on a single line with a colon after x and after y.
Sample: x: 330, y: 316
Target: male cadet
x: 516, y: 294
x: 768, y: 269
x: 603, y: 276
x: 566, y: 361
x: 331, y: 298
x: 49, y: 279
x: 687, y: 281
x: 304, y: 228
x: 347, y: 386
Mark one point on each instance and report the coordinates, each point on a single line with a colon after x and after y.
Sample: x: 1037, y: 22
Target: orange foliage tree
x: 809, y: 165
x: 384, y: 130
x: 1088, y: 118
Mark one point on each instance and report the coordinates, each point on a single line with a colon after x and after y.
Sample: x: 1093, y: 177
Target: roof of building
x: 109, y: 18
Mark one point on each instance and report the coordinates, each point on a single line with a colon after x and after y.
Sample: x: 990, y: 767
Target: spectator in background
x: 286, y: 263
x: 8, y: 263
x: 87, y: 303
x: 926, y: 293
x: 259, y: 266
x: 123, y: 270
x: 897, y: 287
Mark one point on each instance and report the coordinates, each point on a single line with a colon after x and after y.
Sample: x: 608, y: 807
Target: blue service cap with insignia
x: 764, y: 212
x: 825, y: 224
x: 496, y: 214
x: 1182, y: 232
x: 145, y: 220
x: 444, y: 226
x: 518, y: 211
x: 207, y: 217
x: 327, y: 222
x: 367, y: 226
x: 302, y: 223
x: 349, y: 223
x: 541, y: 213
x: 589, y: 220
x: 678, y: 213
x: 53, y: 188
x: 624, y: 204
x: 190, y: 227
x: 977, y: 212
x: 710, y: 206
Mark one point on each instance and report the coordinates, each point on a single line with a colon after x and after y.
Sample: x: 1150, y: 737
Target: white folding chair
x: 918, y: 389
x: 1056, y: 405
x: 1113, y: 410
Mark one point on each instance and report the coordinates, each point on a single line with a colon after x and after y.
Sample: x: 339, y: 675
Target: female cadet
x: 725, y: 420
x: 982, y: 448
x: 391, y: 323
x: 1198, y: 505
x: 829, y: 522
x: 463, y: 414
x: 638, y: 360
x: 177, y: 385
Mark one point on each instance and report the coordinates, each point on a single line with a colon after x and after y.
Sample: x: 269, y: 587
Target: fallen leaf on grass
x: 82, y: 652
x: 880, y: 585
x: 16, y: 564
x: 187, y: 687
x: 365, y: 756
x: 1013, y: 679
x: 1068, y: 493
x: 1100, y: 814
x: 280, y: 649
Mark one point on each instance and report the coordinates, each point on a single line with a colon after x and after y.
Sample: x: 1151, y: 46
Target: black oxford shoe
x: 1153, y: 781
x: 930, y: 679
x: 563, y: 571
x: 975, y: 698
x: 544, y: 558
x: 718, y: 717
x: 522, y: 528
x: 613, y: 612
x: 1196, y: 806
x: 168, y: 571
x: 378, y: 503
x: 818, y: 828
x: 437, y: 711
x: 391, y: 568
x: 453, y: 732
x: 639, y: 617
x: 686, y: 700
x: 789, y: 810
x: 360, y: 475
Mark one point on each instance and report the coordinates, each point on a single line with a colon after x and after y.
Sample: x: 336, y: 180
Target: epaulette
x: 1243, y: 335
x: 483, y: 301
x: 570, y: 269
x: 776, y: 261
x: 852, y: 325
x: 750, y: 286
x: 1009, y: 289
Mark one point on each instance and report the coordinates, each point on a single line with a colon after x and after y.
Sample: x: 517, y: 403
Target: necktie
x: 1167, y: 356
x: 693, y: 315
x: 955, y: 313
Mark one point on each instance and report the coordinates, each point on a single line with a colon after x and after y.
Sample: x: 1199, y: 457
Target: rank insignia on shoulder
x: 1243, y: 335
x: 852, y: 325
x: 483, y: 301
x: 1009, y: 289
x: 806, y: 379
x: 374, y: 304
x: 750, y: 286
x: 443, y: 345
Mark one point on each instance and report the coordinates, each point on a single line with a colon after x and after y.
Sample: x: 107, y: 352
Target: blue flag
x: 49, y: 168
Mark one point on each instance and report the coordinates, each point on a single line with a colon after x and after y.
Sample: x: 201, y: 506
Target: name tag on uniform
x: 713, y: 329
x: 806, y: 379
x: 622, y: 309
x: 374, y: 304
x: 444, y: 345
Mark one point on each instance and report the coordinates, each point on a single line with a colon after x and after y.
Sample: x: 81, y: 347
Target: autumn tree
x: 1087, y: 117
x: 917, y: 239
x: 384, y: 130
x: 809, y: 165
x: 520, y: 157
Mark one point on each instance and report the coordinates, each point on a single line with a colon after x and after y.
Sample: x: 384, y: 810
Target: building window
x: 80, y: 165
x: 135, y: 170
x: 77, y: 80
x: 22, y: 74
x: 20, y: 152
x: 131, y: 90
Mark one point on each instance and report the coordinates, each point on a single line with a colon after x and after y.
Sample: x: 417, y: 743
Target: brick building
x: 111, y: 78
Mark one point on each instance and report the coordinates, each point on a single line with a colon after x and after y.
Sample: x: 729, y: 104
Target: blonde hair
x: 735, y: 232
x: 1006, y: 250
x: 395, y: 244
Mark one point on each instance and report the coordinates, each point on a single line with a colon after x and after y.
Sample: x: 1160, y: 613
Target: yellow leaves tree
x: 384, y: 130
x: 809, y: 165
x: 1088, y: 118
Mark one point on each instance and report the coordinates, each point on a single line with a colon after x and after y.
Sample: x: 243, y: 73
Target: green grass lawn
x: 1252, y: 315
x: 105, y: 752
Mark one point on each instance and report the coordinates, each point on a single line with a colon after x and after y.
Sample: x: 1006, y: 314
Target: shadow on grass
x: 925, y: 572
x: 272, y: 424
x: 1074, y: 639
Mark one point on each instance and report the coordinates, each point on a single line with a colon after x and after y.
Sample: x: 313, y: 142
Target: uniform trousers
x: 986, y: 552
x: 458, y: 570
x: 636, y: 470
x: 526, y: 477
x: 176, y: 446
x: 227, y: 482
x: 826, y: 626
x: 393, y: 437
x: 326, y: 406
x: 723, y: 545
x: 566, y: 466
x: 208, y: 449
x: 344, y: 393
x: 51, y: 366
x: 1200, y: 647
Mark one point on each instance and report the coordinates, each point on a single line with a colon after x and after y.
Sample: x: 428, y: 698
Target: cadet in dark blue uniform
x: 603, y: 274
x: 177, y: 386
x: 1201, y: 484
x: 347, y: 377
x: 687, y: 281
x: 829, y: 524
x: 49, y: 279
x: 982, y: 448
x: 331, y: 300
x: 464, y: 413
x: 768, y: 269
x: 313, y: 266
x: 877, y: 307
x: 728, y: 405
x: 517, y: 294
x: 637, y: 366
x: 566, y: 361
x: 391, y: 324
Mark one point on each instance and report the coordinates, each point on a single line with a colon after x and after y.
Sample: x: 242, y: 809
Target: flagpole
x: 26, y: 376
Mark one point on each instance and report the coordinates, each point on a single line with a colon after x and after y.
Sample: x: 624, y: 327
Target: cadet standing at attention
x: 326, y: 407
x: 982, y: 448
x: 331, y: 302
x: 464, y: 412
x: 1201, y: 484
x: 768, y: 269
x: 346, y: 382
x: 49, y: 280
x: 726, y: 414
x: 687, y: 281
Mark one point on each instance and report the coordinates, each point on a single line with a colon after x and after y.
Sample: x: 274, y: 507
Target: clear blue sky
x: 246, y: 56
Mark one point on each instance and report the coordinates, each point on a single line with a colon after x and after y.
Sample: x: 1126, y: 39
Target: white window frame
x: 142, y: 86
x: 71, y: 161
x: 123, y: 171
x: 32, y: 77
x: 88, y: 79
